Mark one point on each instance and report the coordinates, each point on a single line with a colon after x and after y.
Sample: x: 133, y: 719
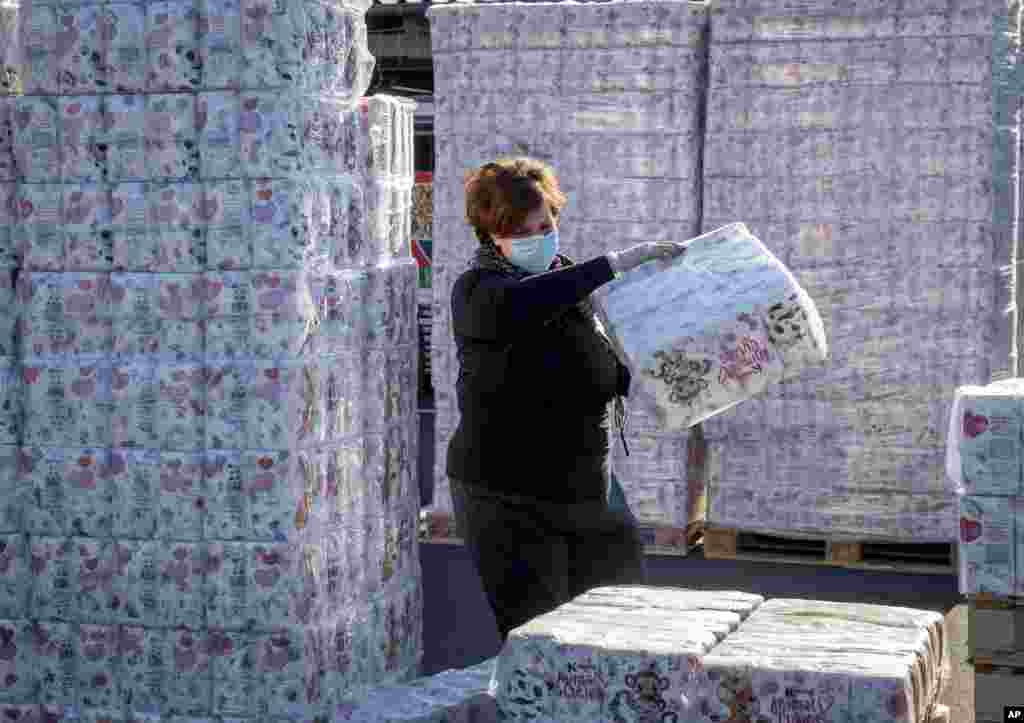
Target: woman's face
x: 539, y: 221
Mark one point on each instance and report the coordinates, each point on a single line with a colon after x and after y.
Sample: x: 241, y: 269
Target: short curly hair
x: 501, y: 194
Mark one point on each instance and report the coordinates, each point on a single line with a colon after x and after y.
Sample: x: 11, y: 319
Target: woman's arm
x: 498, y: 307
x: 625, y: 378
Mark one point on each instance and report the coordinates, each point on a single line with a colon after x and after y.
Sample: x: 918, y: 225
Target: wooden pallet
x: 725, y: 543
x: 437, y: 527
x: 987, y: 601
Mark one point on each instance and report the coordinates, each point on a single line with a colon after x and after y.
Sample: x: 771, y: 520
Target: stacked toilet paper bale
x: 609, y: 96
x: 983, y: 460
x: 209, y: 498
x: 614, y: 651
x: 793, y: 659
x: 872, y: 149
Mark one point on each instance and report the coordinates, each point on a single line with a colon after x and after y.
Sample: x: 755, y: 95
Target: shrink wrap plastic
x: 983, y: 450
x: 835, y: 129
x: 711, y: 328
x: 207, y: 364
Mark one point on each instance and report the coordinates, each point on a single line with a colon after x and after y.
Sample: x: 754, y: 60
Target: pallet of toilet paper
x: 626, y: 654
x: 828, y: 134
x: 208, y: 364
x: 983, y: 460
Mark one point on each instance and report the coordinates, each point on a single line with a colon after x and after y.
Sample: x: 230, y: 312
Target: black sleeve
x: 625, y: 378
x: 492, y: 307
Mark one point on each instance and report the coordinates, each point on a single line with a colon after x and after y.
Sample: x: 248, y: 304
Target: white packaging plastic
x: 712, y: 328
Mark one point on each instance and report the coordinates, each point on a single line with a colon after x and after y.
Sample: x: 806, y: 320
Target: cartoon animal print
x: 685, y: 377
x: 786, y: 323
x: 644, y: 698
x: 526, y: 695
x: 737, y: 694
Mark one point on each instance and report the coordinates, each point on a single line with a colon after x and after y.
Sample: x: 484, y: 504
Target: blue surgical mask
x: 535, y: 253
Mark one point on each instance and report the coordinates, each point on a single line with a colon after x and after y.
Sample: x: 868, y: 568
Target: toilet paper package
x: 984, y: 441
x: 11, y: 401
x: 843, y: 662
x: 186, y: 46
x: 82, y: 153
x: 37, y: 236
x: 990, y: 532
x: 13, y: 500
x: 742, y: 323
x: 591, y: 657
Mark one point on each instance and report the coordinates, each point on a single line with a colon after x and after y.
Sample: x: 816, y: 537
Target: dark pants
x: 533, y: 555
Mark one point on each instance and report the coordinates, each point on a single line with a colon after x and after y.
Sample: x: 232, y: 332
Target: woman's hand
x: 630, y: 258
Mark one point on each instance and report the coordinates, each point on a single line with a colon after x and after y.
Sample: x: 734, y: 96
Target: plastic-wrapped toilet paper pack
x: 991, y: 532
x: 169, y: 584
x: 64, y: 313
x: 740, y: 604
x: 391, y: 302
x: 742, y: 323
x: 838, y: 661
x: 11, y: 509
x: 984, y: 442
x: 588, y: 660
x: 165, y: 47
x: 177, y: 227
x: 390, y: 128
x: 213, y: 135
x: 368, y: 307
x: 11, y: 401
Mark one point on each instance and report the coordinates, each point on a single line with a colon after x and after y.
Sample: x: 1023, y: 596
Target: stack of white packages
x: 708, y: 330
x: 872, y: 146
x: 212, y: 508
x: 827, y: 662
x: 983, y: 460
x: 609, y: 95
x: 614, y: 653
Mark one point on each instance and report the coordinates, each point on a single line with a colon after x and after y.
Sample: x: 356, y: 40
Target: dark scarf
x: 489, y: 258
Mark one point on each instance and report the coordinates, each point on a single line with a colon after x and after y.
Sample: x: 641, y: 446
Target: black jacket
x: 533, y: 397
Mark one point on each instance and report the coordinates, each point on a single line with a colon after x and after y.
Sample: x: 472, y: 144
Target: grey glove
x: 630, y: 258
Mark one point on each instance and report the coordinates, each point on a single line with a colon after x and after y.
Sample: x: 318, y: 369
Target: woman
x: 528, y: 462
